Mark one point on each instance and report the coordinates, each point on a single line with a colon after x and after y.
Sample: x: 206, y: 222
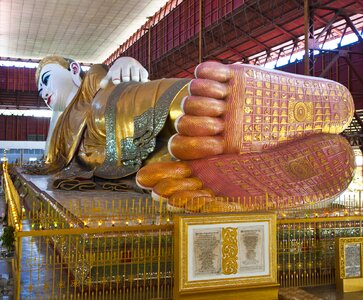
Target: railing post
x: 17, y: 271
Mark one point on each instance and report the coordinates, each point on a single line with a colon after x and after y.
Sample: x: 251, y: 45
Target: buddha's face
x: 56, y: 85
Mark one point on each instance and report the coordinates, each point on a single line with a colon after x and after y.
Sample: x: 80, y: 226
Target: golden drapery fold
x: 112, y: 131
x: 134, y: 115
x: 71, y: 124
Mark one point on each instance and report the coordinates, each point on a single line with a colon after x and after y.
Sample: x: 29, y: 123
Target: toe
x: 169, y: 186
x: 208, y: 88
x: 190, y: 147
x: 214, y: 71
x: 199, y: 126
x: 203, y: 106
x: 151, y: 174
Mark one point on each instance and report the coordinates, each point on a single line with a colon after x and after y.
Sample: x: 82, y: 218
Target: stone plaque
x: 207, y: 252
x: 252, y: 245
x: 352, y: 260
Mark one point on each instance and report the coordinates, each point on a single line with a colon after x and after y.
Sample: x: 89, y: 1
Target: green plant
x: 8, y: 238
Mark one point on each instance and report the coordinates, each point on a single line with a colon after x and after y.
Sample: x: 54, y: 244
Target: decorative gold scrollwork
x: 229, y: 251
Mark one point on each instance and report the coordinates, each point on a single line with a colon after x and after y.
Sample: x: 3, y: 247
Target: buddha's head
x: 58, y: 79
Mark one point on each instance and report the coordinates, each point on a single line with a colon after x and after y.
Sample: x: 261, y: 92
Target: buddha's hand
x: 125, y: 69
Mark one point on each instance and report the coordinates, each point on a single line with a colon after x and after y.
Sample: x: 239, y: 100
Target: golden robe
x: 110, y: 132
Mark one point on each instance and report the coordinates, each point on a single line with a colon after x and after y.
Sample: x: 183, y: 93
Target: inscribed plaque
x: 252, y: 246
x: 352, y: 260
x: 207, y: 252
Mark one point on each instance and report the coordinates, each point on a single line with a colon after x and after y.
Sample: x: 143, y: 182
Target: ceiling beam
x: 246, y: 34
x: 283, y: 30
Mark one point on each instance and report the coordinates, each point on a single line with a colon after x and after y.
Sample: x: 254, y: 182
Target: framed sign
x: 220, y: 251
x: 350, y: 257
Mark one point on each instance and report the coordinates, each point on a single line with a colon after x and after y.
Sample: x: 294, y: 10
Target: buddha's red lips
x: 49, y: 100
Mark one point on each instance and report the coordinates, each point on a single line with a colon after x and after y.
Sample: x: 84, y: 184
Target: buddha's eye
x: 45, y: 80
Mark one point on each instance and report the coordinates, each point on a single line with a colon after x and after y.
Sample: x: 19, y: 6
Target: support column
x: 309, y: 39
x: 201, y: 30
x: 149, y: 49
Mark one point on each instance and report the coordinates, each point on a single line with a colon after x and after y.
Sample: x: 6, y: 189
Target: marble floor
x: 326, y: 292
x: 329, y: 293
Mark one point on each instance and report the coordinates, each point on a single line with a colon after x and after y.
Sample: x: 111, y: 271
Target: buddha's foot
x: 304, y: 171
x: 244, y: 108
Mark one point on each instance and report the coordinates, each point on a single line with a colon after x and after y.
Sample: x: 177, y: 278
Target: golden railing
x: 127, y: 253
x: 104, y: 257
x: 96, y: 263
x: 12, y: 198
x: 306, y: 248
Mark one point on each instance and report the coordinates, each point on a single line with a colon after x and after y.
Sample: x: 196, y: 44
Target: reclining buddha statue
x: 233, y: 131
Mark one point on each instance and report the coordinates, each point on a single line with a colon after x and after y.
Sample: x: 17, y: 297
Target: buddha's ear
x: 76, y: 71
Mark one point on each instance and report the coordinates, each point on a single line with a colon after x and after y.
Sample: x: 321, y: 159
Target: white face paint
x: 56, y: 86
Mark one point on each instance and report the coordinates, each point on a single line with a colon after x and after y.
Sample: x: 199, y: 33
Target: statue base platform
x: 87, y: 208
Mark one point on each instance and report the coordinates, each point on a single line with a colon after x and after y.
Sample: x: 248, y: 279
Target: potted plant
x: 8, y: 239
